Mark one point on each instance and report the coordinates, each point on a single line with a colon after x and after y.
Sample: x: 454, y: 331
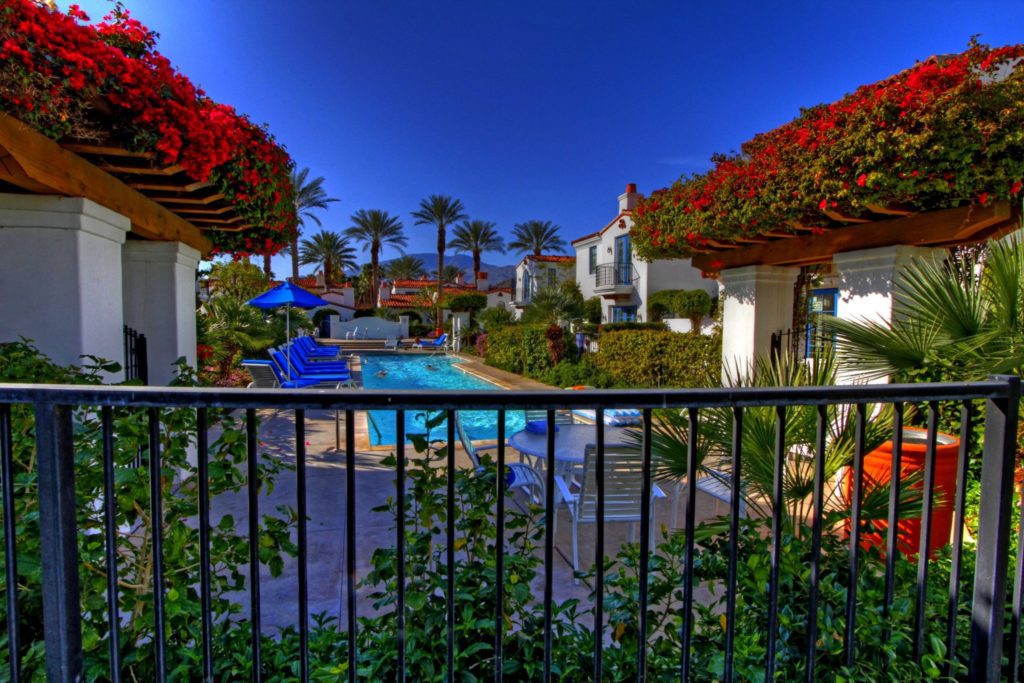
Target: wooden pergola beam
x: 105, y: 150
x: 935, y: 228
x: 51, y: 169
x: 198, y: 201
x: 140, y: 170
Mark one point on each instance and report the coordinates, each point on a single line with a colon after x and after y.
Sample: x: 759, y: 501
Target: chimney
x: 628, y: 200
x: 482, y: 285
x: 385, y: 292
x: 459, y: 278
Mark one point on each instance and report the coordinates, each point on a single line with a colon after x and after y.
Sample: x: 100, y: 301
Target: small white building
x: 607, y: 267
x: 535, y: 272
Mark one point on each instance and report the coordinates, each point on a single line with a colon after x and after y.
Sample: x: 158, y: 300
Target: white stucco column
x: 160, y: 302
x: 60, y: 276
x: 757, y: 301
x: 866, y: 279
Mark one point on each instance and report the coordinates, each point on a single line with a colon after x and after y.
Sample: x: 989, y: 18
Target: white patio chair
x: 623, y: 492
x: 518, y: 476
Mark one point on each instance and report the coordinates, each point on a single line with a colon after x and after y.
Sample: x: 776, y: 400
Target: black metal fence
x: 136, y: 356
x: 56, y: 411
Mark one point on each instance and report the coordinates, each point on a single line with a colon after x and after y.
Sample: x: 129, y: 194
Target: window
x: 592, y: 256
x: 623, y: 260
x: 821, y: 304
x: 624, y: 314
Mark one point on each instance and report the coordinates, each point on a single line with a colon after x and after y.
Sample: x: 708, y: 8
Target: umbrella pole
x: 288, y: 337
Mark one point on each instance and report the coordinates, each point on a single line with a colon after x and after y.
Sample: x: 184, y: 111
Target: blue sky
x: 537, y: 109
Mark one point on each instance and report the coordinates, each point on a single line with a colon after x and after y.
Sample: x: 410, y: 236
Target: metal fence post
x: 59, y: 542
x: 994, y: 515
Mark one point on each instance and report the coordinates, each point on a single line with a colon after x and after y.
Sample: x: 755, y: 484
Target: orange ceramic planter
x: 878, y: 469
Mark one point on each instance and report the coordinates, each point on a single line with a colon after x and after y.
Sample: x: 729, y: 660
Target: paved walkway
x: 326, y: 479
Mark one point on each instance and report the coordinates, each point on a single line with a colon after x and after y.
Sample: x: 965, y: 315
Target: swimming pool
x: 383, y: 371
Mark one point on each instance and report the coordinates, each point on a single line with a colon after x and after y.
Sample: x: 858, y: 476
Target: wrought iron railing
x: 615, y: 274
x: 136, y: 356
x: 58, y: 409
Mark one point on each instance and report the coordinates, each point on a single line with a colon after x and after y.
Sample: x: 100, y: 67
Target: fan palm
x: 960, y: 319
x: 476, y: 237
x: 376, y: 229
x: 405, y: 268
x: 329, y: 249
x: 440, y: 211
x: 309, y: 195
x: 451, y: 273
x: 670, y: 440
x: 536, y: 237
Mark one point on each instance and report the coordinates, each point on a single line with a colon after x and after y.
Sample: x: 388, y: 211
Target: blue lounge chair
x: 301, y: 360
x: 306, y: 367
x: 322, y: 377
x: 436, y: 344
x: 314, y: 350
x: 266, y: 376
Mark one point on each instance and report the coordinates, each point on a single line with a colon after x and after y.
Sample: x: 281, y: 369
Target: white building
x: 534, y: 273
x: 607, y: 267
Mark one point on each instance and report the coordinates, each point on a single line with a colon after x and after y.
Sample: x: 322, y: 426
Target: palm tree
x: 536, y: 237
x: 441, y: 211
x: 329, y: 249
x: 961, y: 319
x: 376, y: 229
x: 405, y: 268
x: 476, y: 237
x: 451, y: 273
x: 309, y: 195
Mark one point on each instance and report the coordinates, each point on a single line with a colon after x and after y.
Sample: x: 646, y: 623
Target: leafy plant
x: 683, y: 303
x: 655, y: 358
x: 22, y: 362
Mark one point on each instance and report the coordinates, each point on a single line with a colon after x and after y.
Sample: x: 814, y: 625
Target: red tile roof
x: 615, y: 221
x: 401, y: 301
x: 550, y: 258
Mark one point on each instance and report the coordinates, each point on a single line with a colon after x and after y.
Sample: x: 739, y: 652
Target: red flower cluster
x: 64, y: 77
x: 943, y: 133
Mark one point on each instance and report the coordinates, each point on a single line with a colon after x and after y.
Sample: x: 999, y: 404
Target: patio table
x: 570, y: 440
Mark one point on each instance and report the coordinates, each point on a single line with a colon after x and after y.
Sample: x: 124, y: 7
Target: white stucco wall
x: 60, y: 276
x: 756, y: 301
x: 159, y: 302
x: 651, y: 277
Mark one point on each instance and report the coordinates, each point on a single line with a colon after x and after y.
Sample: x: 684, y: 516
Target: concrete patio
x: 326, y: 482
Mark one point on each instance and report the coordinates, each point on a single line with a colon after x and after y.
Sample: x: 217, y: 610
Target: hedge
x: 529, y: 350
x: 652, y: 358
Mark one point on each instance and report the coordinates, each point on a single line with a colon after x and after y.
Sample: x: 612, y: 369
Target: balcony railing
x: 615, y: 275
x: 58, y: 416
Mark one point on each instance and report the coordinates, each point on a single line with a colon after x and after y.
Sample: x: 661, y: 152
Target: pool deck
x: 375, y: 483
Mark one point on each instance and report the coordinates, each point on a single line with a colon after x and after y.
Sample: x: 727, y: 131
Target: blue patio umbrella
x: 286, y: 294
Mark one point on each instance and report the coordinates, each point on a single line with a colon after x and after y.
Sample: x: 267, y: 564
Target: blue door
x: 623, y: 260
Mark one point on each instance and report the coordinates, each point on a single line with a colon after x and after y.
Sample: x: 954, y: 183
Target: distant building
x: 411, y: 295
x: 534, y: 273
x: 607, y: 267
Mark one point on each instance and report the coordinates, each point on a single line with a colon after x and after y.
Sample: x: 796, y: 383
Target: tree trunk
x: 295, y: 255
x: 266, y: 265
x: 374, y: 260
x: 476, y: 266
x: 441, y: 242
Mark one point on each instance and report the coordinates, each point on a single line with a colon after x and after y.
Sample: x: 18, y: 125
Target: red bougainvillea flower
x: 56, y: 72
x: 935, y: 113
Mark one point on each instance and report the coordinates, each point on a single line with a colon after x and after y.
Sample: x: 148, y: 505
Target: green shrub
x: 682, y: 303
x: 654, y: 358
x: 466, y: 302
x: 495, y: 317
x: 584, y: 372
x: 592, y: 310
x: 524, y: 349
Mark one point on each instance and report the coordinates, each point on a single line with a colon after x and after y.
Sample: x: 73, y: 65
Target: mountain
x: 495, y: 274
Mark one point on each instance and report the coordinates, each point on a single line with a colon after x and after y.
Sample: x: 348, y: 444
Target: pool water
x: 435, y: 372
